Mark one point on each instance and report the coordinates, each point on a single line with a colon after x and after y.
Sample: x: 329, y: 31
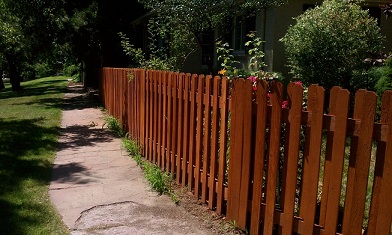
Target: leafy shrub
x: 329, y: 42
x: 28, y: 72
x: 73, y: 71
x: 384, y: 75
x: 255, y: 70
x: 43, y: 69
x: 114, y: 125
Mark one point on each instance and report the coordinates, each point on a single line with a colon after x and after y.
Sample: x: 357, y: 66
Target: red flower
x: 285, y: 104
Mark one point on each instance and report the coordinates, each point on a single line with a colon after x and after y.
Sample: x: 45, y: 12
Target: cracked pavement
x: 98, y: 189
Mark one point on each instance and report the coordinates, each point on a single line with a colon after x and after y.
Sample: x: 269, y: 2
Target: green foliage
x: 331, y: 41
x: 114, y: 125
x: 73, y: 71
x: 198, y: 15
x: 256, y: 54
x: 168, y: 46
x: 43, y: 69
x: 157, y: 59
x: 384, y: 76
x: 226, y: 57
x: 159, y: 180
x: 131, y: 146
x: 255, y: 64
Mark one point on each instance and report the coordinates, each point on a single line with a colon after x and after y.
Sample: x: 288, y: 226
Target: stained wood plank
x: 155, y: 117
x: 311, y: 164
x: 169, y: 122
x: 222, y: 146
x: 276, y: 99
x: 199, y: 135
x: 206, y: 139
x: 160, y: 117
x: 336, y: 142
x: 150, y: 116
x: 259, y: 156
x: 185, y: 135
x: 214, y: 143
x: 293, y: 128
x: 359, y: 163
x: 380, y: 214
x: 180, y: 127
x: 192, y: 131
x: 164, y: 119
x: 234, y: 183
x: 246, y: 155
x: 174, y: 123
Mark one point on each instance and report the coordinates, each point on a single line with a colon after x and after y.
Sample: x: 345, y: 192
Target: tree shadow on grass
x: 38, y: 89
x: 23, y: 157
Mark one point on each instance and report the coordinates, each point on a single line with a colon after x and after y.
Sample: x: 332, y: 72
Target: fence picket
x: 207, y: 139
x: 380, y: 214
x: 276, y: 99
x: 360, y: 153
x: 192, y: 131
x: 259, y: 156
x: 180, y: 127
x: 150, y: 116
x: 336, y: 142
x: 174, y: 122
x: 311, y: 158
x: 236, y: 133
x: 290, y: 168
x: 222, y: 147
x: 199, y: 135
x: 185, y: 136
x: 214, y: 143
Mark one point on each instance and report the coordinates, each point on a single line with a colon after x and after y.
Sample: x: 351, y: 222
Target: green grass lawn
x: 29, y: 128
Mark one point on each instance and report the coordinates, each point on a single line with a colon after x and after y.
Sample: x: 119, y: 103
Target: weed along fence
x: 269, y: 169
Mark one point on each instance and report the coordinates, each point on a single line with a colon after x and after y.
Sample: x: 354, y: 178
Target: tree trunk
x: 1, y: 84
x: 15, y: 77
x: 90, y: 75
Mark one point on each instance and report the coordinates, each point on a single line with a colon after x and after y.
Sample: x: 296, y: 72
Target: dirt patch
x: 210, y: 219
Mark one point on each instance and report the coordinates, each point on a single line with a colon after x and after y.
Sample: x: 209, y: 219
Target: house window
x: 242, y: 27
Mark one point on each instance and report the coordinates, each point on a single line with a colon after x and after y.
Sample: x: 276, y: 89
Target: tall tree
x: 89, y: 29
x: 11, y: 43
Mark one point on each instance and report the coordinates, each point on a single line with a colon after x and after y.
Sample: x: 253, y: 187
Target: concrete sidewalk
x: 98, y: 189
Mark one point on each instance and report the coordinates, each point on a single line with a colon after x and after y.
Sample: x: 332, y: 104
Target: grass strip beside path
x: 29, y: 129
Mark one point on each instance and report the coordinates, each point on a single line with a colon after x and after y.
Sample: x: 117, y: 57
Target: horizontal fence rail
x: 272, y: 165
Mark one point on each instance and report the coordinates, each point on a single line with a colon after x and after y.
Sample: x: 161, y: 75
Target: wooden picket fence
x: 259, y: 164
